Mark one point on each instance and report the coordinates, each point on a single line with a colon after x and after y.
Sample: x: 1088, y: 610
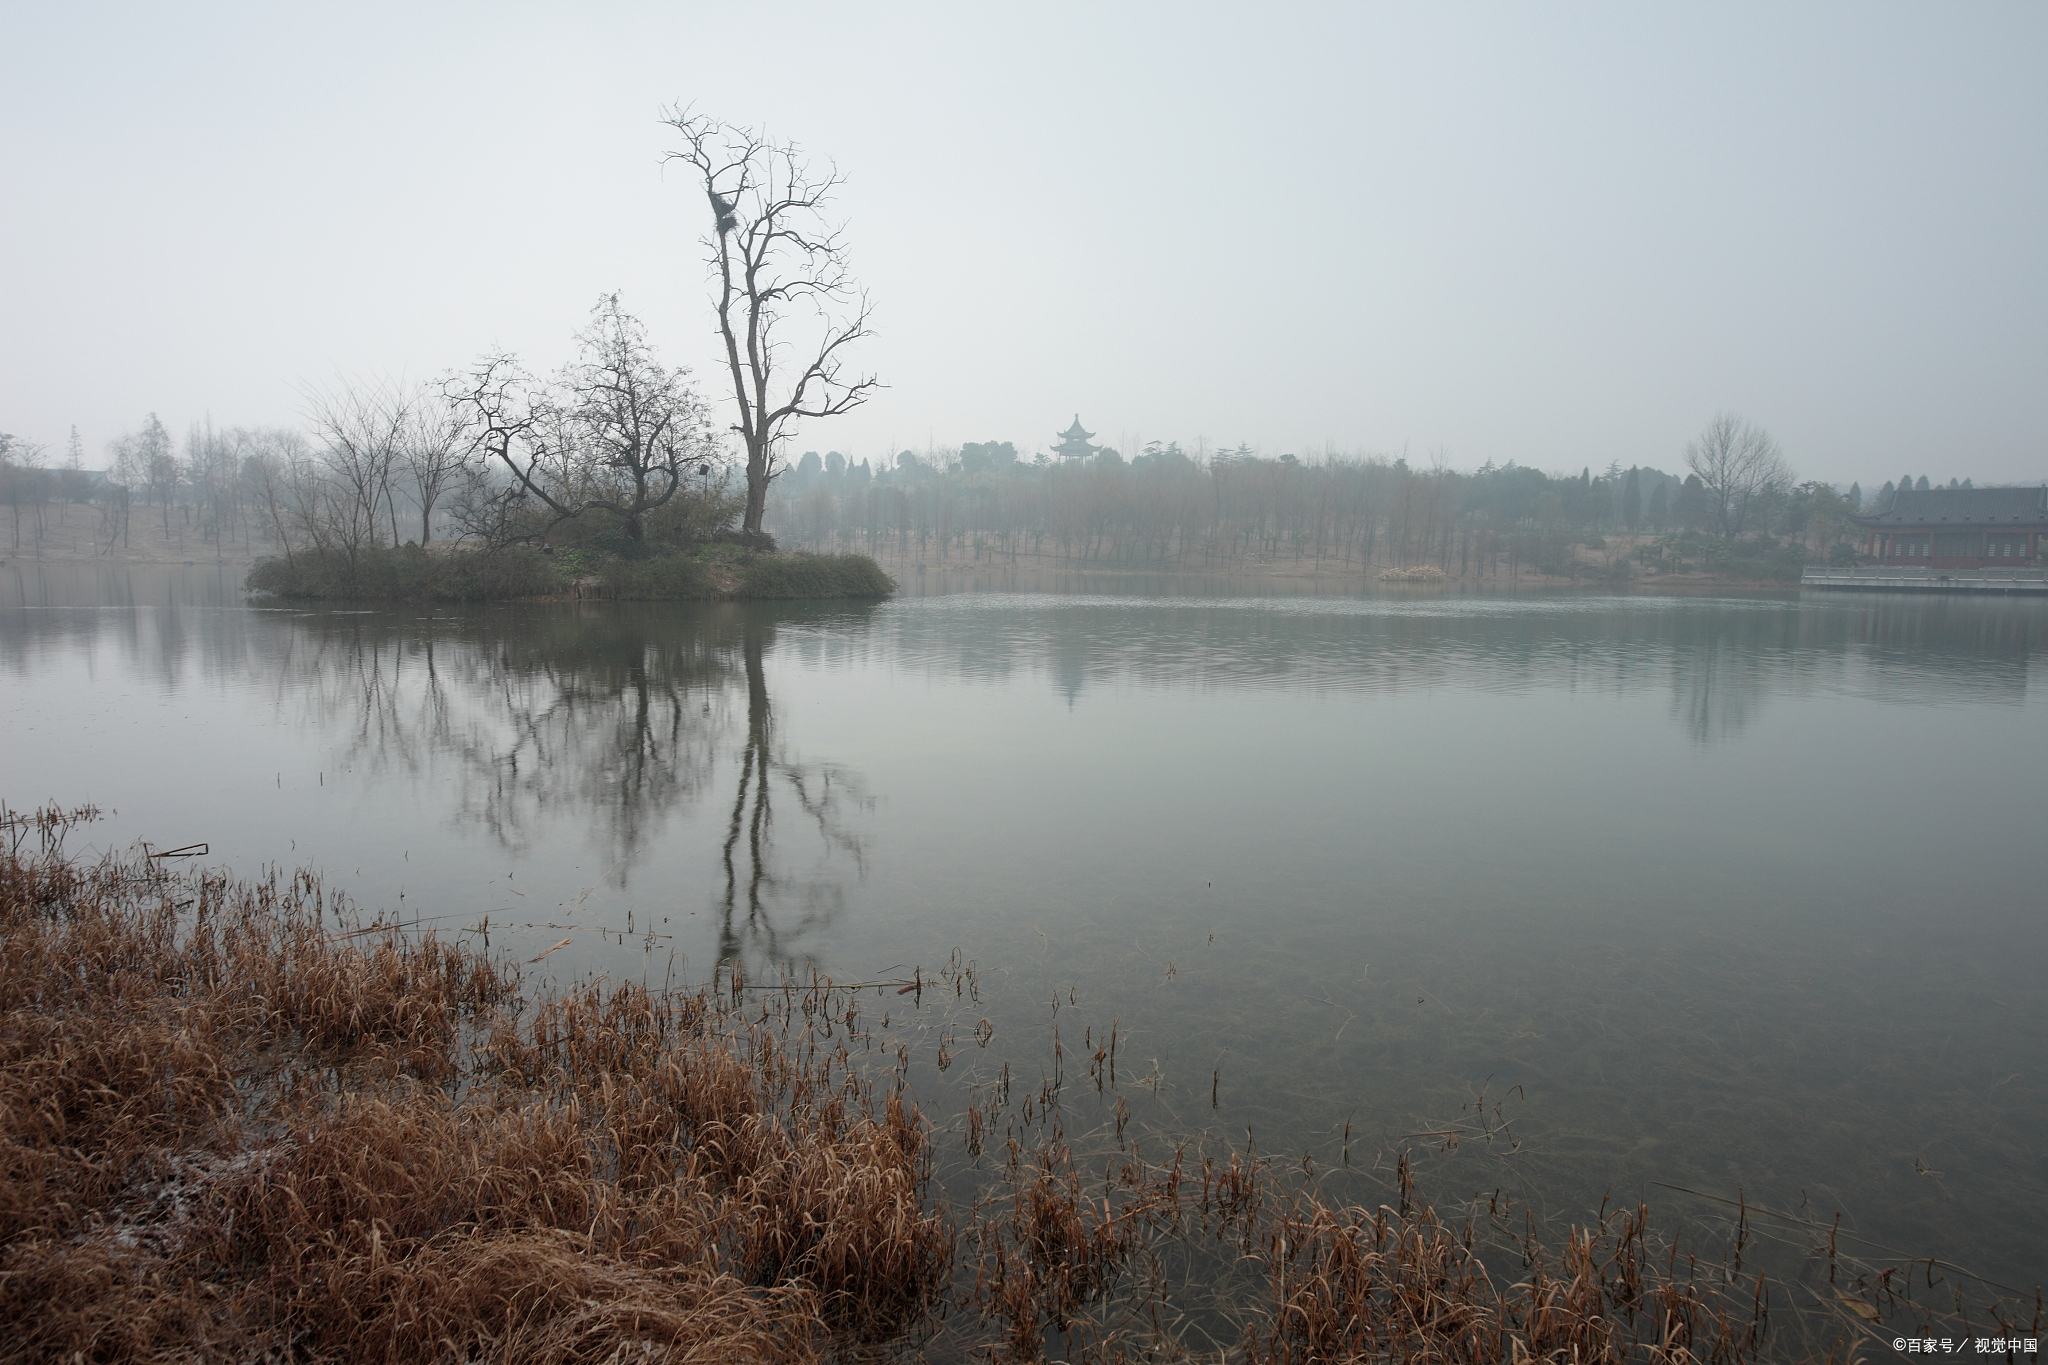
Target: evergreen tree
x: 1631, y: 499
x: 1660, y: 505
x: 1690, y: 510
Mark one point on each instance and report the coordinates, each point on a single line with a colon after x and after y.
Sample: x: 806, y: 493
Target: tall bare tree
x: 1736, y: 461
x: 788, y: 307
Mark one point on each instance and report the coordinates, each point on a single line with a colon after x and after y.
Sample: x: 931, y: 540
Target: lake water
x: 1730, y: 893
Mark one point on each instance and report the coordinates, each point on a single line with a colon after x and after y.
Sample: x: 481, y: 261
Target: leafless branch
x: 777, y: 261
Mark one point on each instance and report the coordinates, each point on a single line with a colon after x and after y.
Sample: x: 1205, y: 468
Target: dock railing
x: 1908, y: 578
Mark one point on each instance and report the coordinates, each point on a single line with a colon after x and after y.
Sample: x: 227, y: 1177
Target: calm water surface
x: 1726, y: 893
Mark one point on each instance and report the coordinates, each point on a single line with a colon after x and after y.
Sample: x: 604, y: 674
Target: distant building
x: 1960, y: 528
x: 1074, y: 442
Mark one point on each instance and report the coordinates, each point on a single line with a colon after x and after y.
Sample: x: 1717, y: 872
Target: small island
x: 606, y: 480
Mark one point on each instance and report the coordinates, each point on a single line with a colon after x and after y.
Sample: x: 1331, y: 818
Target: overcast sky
x: 1559, y: 235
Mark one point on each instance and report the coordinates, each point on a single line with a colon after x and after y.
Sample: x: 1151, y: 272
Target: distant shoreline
x: 909, y: 569
x: 148, y: 546
x: 1286, y: 571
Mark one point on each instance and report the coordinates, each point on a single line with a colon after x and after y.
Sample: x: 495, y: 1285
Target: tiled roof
x: 1964, y: 507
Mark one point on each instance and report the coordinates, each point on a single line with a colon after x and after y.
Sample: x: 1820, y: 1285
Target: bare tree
x: 279, y: 476
x: 20, y: 481
x: 1736, y: 462
x: 637, y: 427
x: 147, y: 457
x: 616, y: 434
x: 212, y: 468
x: 432, y: 448
x: 362, y: 429
x: 778, y: 262
x: 504, y: 411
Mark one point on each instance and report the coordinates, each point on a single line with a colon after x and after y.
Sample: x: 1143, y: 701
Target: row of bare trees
x: 495, y: 455
x: 1173, y: 513
x: 1168, y: 508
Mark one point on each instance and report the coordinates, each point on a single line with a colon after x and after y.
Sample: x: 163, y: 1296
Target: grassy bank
x: 706, y: 574
x: 726, y: 574
x: 408, y: 574
x: 239, y: 1123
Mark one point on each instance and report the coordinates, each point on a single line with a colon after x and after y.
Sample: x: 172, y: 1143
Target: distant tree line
x: 618, y: 453
x: 1168, y: 507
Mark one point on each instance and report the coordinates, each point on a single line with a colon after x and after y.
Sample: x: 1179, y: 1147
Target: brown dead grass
x: 228, y: 1132
x: 238, y: 1125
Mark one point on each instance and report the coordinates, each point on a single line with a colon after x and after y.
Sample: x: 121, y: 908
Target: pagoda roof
x: 1963, y: 507
x: 1074, y: 432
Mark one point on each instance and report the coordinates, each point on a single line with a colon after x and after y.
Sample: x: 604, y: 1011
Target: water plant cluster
x: 240, y: 1120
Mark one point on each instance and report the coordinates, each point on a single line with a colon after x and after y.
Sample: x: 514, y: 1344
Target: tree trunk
x: 757, y: 488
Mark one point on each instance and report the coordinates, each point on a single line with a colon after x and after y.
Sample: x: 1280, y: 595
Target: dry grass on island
x: 706, y: 573
x: 238, y: 1123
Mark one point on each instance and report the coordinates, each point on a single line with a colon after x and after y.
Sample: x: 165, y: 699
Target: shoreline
x: 1327, y: 577
x: 155, y: 551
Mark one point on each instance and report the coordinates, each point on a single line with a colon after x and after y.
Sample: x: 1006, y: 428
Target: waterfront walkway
x: 1906, y: 578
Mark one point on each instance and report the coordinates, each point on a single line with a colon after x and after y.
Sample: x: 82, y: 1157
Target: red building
x: 1960, y: 528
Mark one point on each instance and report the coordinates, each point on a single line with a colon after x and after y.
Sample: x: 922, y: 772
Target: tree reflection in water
x: 767, y: 909
x: 620, y: 719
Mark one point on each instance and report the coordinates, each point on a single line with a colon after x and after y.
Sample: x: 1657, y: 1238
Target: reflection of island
x: 625, y: 720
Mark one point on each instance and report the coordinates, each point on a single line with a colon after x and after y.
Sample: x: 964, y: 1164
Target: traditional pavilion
x: 1960, y: 528
x: 1074, y: 442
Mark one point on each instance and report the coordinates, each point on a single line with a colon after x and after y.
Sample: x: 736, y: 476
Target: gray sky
x: 1558, y: 235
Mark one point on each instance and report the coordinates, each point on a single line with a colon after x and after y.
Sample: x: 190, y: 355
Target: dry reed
x: 236, y: 1123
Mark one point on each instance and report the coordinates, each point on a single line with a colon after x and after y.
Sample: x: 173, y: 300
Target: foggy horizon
x: 1561, y: 240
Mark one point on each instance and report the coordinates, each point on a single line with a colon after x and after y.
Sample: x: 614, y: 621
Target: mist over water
x: 1742, y: 893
